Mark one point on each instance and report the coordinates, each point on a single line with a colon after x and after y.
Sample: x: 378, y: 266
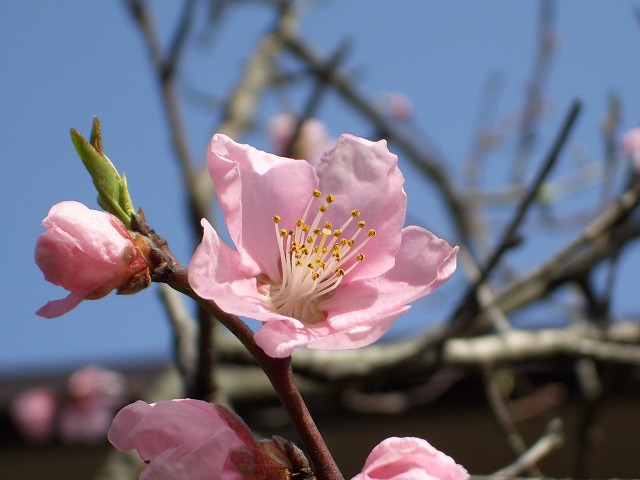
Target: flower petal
x: 63, y: 262
x: 216, y: 273
x: 423, y: 263
x: 280, y: 339
x: 55, y: 308
x: 180, y: 439
x: 364, y: 175
x: 253, y: 186
x: 91, y: 231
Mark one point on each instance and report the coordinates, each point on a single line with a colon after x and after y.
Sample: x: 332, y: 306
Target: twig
x: 280, y: 374
x: 317, y: 95
x: 533, y: 96
x: 551, y: 440
x: 466, y: 312
x: 503, y: 417
x: 184, y: 329
x: 579, y: 256
x: 203, y: 384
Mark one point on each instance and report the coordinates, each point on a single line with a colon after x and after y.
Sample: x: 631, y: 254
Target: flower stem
x: 279, y: 373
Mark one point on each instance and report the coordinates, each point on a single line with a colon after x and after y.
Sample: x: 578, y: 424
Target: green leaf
x: 113, y: 195
x: 96, y: 136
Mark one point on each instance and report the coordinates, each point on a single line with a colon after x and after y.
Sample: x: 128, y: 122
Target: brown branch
x: 202, y: 383
x: 466, y: 313
x: 428, y: 163
x: 365, y: 367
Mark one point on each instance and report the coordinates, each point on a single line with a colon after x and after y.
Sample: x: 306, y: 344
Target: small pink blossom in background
x: 88, y: 252
x: 190, y: 439
x: 322, y: 258
x: 631, y: 146
x: 409, y: 458
x: 33, y: 413
x: 93, y: 396
x: 398, y: 105
x: 313, y: 139
x: 82, y: 413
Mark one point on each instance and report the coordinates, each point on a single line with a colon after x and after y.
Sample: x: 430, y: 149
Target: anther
x: 355, y: 213
x: 330, y: 198
x: 371, y: 232
x: 276, y: 219
x: 317, y: 193
x: 361, y: 224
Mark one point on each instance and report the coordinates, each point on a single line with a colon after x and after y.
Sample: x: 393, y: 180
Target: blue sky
x: 63, y: 62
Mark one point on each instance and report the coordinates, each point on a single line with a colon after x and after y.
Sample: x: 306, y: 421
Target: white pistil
x: 314, y: 259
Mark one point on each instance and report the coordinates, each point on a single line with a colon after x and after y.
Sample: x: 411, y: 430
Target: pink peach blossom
x: 88, y: 252
x: 409, y: 458
x: 189, y: 439
x: 328, y: 270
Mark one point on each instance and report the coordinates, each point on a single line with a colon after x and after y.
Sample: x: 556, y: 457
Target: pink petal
x: 409, y: 459
x: 91, y: 231
x: 423, y: 263
x: 205, y: 461
x: 180, y: 439
x: 216, y: 273
x: 252, y: 187
x: 364, y: 175
x: 280, y: 339
x: 63, y: 263
x: 55, y: 308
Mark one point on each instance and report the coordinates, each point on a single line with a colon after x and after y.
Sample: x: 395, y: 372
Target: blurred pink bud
x: 33, y: 414
x: 89, y: 253
x: 191, y: 439
x: 93, y: 384
x: 312, y: 142
x: 94, y: 394
x: 409, y: 458
x: 84, y: 423
x: 631, y: 146
x: 398, y: 105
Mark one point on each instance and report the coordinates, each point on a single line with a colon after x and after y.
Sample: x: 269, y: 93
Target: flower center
x: 314, y: 259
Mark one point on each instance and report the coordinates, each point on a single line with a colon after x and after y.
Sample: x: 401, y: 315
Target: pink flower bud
x: 409, y: 458
x: 89, y: 253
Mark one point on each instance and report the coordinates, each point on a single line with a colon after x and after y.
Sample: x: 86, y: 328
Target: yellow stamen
x: 314, y: 258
